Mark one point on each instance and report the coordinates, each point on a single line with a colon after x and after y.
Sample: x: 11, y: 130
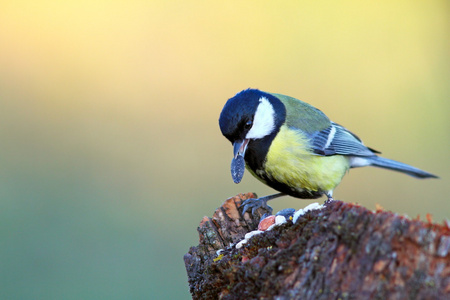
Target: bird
x: 294, y: 147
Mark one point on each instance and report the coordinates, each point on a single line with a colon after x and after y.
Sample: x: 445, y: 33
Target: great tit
x: 293, y: 147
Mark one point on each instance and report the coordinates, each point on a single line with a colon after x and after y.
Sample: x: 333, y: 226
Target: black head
x: 237, y: 118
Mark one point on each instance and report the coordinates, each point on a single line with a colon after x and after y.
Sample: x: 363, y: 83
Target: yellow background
x: 110, y: 150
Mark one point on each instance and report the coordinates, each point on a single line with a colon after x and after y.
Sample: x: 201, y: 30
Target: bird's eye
x: 249, y: 124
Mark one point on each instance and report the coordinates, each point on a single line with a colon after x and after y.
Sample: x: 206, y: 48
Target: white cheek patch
x: 264, y: 120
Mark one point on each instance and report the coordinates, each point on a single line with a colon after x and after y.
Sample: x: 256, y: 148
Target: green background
x: 110, y: 150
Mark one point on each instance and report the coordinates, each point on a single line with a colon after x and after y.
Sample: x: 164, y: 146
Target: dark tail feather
x: 400, y: 167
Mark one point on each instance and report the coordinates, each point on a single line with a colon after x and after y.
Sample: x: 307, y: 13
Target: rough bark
x: 343, y: 251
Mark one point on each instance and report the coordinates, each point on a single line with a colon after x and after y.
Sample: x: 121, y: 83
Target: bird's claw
x: 254, y: 204
x: 329, y: 200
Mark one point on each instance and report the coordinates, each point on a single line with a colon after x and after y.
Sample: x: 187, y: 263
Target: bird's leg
x: 330, y: 197
x: 254, y: 204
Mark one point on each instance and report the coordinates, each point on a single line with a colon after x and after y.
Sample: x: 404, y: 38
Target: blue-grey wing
x: 337, y: 140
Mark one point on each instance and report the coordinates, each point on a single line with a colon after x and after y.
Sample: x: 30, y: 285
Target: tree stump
x: 342, y: 251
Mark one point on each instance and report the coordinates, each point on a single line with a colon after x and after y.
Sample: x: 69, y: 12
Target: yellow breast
x: 291, y: 162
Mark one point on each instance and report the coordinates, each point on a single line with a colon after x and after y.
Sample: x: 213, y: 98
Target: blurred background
x: 111, y: 151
